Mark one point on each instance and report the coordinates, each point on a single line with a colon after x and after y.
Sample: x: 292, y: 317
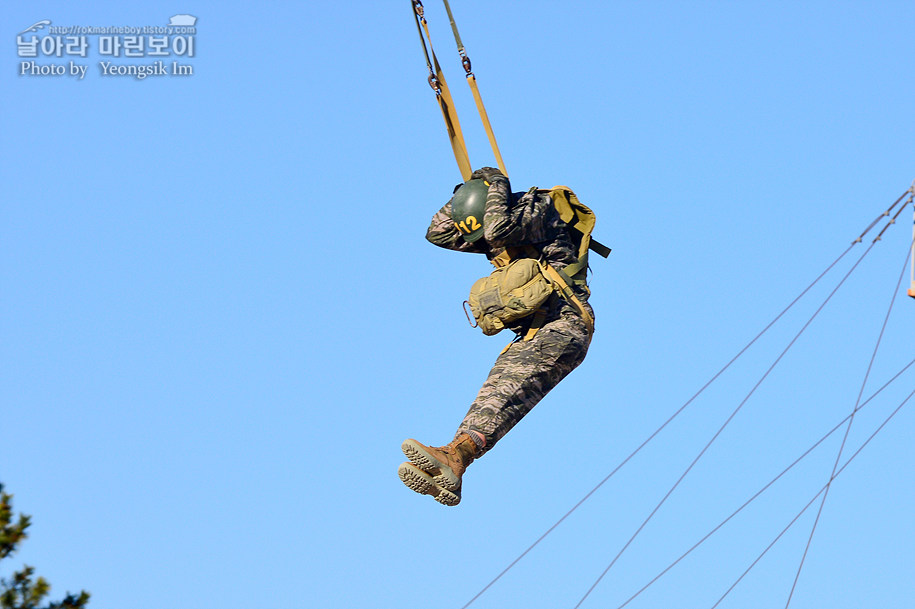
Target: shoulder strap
x: 566, y: 292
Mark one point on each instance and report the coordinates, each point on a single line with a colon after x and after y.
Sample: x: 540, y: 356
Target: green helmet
x: 467, y: 208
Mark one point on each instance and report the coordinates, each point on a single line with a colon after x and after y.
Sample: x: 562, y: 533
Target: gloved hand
x: 487, y: 173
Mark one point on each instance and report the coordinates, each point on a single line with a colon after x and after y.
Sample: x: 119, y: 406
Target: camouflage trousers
x: 523, y: 374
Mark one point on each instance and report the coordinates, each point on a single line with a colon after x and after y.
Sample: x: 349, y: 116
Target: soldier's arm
x: 501, y: 227
x: 443, y: 233
x: 526, y: 221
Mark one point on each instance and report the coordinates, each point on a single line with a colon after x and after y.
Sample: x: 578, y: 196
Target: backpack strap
x: 511, y: 253
x: 562, y: 284
x: 536, y: 324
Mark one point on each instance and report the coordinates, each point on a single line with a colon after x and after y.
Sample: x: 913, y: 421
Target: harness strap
x: 512, y: 253
x: 536, y: 324
x: 443, y: 96
x: 596, y: 246
x: 566, y: 292
x: 453, y: 126
x: 484, y: 117
x: 472, y: 81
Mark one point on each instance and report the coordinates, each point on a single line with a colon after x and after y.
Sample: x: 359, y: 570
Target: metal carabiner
x: 435, y: 84
x: 465, y: 61
x: 473, y: 323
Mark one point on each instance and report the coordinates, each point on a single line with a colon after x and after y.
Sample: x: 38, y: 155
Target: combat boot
x: 421, y: 482
x: 446, y: 464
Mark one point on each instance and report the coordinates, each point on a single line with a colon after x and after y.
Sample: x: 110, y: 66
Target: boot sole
x: 417, y: 480
x: 440, y: 472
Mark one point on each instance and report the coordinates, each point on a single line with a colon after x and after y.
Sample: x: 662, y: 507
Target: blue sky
x: 220, y: 317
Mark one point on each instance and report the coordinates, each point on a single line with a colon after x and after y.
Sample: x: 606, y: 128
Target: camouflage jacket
x: 511, y: 219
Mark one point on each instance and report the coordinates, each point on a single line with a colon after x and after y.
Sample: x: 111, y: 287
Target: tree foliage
x: 23, y: 590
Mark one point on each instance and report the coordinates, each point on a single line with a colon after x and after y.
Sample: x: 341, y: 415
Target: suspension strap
x: 443, y: 94
x: 472, y: 81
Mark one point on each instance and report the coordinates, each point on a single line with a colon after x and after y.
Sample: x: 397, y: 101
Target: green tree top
x: 23, y: 590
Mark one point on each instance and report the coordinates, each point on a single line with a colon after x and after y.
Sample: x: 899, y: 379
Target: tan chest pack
x: 521, y: 283
x: 512, y: 292
x: 518, y: 288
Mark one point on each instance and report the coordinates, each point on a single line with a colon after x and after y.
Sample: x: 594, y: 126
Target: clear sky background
x: 220, y: 317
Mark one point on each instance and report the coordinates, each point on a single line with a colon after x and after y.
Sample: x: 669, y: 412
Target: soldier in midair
x: 525, y: 238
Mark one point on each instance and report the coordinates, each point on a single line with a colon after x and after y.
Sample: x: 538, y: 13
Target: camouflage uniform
x: 527, y: 370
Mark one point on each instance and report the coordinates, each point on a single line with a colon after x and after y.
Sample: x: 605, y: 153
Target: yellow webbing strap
x: 567, y: 293
x: 536, y: 324
x: 446, y: 103
x: 509, y: 254
x: 453, y: 125
x: 472, y: 81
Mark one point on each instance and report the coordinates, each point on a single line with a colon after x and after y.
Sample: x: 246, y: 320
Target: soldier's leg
x: 522, y: 375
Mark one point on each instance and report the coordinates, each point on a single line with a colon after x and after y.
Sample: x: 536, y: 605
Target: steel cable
x: 688, y: 402
x: 765, y: 488
x: 809, y: 503
x: 851, y: 419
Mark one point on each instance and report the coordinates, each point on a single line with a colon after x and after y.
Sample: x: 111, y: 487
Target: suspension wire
x: 684, y: 406
x: 765, y: 488
x: 725, y: 424
x: 418, y: 15
x: 854, y: 410
x: 821, y: 491
x: 661, y: 428
x: 893, y: 221
x: 886, y: 213
x: 454, y: 29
